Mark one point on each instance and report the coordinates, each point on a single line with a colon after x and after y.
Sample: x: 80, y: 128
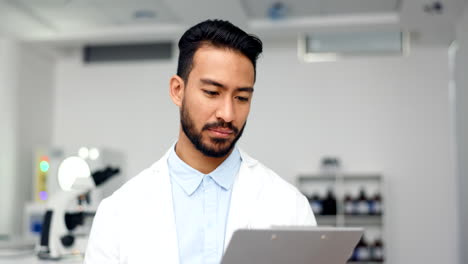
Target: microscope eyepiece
x: 102, y: 176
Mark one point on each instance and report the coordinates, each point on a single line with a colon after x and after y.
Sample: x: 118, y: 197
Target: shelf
x: 362, y: 177
x: 308, y: 178
x: 350, y: 220
x: 346, y: 177
x: 365, y: 262
x: 326, y: 220
x: 363, y: 220
x: 317, y: 185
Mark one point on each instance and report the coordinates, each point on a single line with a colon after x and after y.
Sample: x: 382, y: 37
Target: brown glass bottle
x: 329, y: 204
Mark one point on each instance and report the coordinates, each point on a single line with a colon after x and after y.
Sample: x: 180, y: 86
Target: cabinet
x: 350, y: 200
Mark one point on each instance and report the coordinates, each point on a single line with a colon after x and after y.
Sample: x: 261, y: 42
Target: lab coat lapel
x: 244, y: 198
x: 162, y: 239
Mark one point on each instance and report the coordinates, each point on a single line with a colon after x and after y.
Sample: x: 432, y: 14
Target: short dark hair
x: 218, y: 33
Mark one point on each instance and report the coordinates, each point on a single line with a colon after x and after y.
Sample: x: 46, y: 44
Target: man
x: 185, y: 207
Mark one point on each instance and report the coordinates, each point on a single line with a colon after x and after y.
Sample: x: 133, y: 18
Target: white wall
x: 8, y: 148
x: 35, y: 86
x: 461, y: 78
x: 389, y: 115
x: 386, y: 114
x: 26, y: 86
x: 126, y: 107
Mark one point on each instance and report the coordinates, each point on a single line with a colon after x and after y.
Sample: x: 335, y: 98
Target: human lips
x: 221, y: 132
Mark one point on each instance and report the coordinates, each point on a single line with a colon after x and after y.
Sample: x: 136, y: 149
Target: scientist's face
x: 216, y: 100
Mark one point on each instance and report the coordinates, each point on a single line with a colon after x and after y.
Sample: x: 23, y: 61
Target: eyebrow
x: 215, y: 83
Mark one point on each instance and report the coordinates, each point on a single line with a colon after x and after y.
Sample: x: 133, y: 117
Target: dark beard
x: 196, y: 137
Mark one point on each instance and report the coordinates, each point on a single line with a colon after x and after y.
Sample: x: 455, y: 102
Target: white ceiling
x: 84, y: 21
x: 259, y: 9
x: 65, y: 15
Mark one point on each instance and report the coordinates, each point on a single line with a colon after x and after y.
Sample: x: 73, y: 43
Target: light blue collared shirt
x: 201, y: 207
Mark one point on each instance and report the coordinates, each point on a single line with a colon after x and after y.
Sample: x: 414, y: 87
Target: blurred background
x: 363, y: 99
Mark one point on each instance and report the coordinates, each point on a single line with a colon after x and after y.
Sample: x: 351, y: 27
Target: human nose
x: 226, y: 111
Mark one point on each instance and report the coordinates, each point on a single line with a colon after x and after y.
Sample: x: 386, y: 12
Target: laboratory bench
x: 32, y: 259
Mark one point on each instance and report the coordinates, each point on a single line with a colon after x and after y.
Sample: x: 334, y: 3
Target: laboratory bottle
x: 329, y: 204
x: 377, y: 253
x: 362, y: 203
x: 316, y: 204
x: 349, y: 208
x: 362, y: 250
x: 376, y: 205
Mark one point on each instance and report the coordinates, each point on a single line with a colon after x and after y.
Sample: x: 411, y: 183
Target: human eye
x: 210, y: 93
x: 242, y: 98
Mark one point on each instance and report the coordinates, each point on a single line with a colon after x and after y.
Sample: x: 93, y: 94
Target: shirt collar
x: 225, y: 173
x: 190, y: 179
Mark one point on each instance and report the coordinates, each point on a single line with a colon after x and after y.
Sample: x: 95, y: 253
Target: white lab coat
x: 136, y: 224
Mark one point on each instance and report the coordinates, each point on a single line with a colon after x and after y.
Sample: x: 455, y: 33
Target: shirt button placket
x: 210, y: 219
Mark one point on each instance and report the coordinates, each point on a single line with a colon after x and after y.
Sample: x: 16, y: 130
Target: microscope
x: 57, y: 239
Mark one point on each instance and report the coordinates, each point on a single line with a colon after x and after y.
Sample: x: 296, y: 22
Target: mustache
x: 223, y: 125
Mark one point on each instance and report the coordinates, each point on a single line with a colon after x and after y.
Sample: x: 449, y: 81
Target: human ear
x: 176, y: 90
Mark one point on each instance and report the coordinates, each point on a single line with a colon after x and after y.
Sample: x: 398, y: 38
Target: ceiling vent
x: 127, y: 52
x: 330, y: 46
